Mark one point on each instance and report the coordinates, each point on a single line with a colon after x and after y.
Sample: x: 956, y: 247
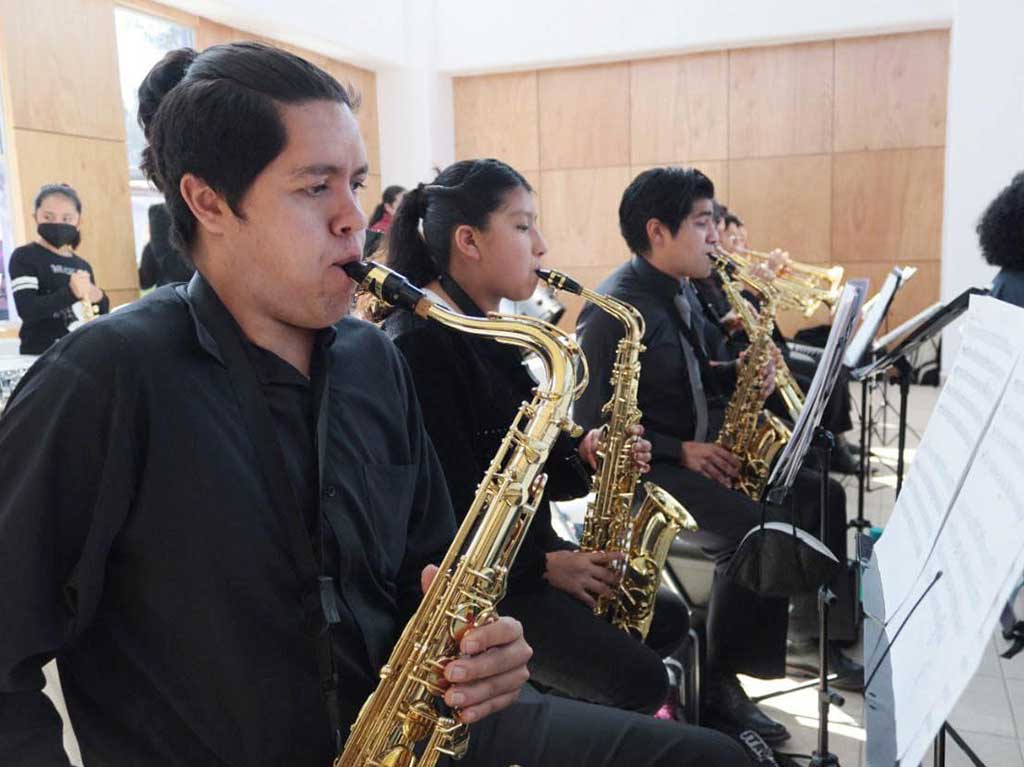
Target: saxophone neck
x: 625, y: 313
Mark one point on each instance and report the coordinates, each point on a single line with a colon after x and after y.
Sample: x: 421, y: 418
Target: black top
x: 140, y: 541
x: 664, y: 393
x: 1008, y: 286
x: 41, y: 284
x: 470, y: 389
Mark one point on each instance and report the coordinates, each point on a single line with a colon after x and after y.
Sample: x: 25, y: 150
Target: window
x: 142, y: 40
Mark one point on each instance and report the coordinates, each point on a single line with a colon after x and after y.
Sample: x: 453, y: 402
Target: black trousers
x: 747, y: 632
x: 582, y: 656
x: 547, y: 731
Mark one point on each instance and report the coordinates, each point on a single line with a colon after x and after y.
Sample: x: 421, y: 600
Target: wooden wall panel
x: 716, y: 170
x: 121, y: 296
x: 496, y: 116
x: 579, y: 207
x: 584, y: 117
x: 888, y: 205
x: 919, y: 293
x: 62, y: 67
x: 679, y: 108
x: 98, y: 170
x: 784, y: 203
x: 780, y: 100
x: 891, y: 91
x: 364, y: 83
x: 212, y: 33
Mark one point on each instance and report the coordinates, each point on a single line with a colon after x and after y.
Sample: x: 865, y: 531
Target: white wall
x: 984, y: 135
x: 473, y: 36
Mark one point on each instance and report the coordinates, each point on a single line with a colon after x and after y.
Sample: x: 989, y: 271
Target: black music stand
x: 807, y: 434
x: 897, y: 359
x: 860, y: 352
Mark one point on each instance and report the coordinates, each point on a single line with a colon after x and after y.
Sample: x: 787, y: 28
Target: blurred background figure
x: 380, y: 221
x: 161, y: 264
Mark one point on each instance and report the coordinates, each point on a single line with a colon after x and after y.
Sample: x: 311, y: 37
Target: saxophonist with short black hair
x: 666, y: 219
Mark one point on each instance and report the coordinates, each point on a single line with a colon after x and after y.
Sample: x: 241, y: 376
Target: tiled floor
x: 986, y: 716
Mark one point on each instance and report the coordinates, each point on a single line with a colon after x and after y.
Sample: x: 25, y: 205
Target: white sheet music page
x: 993, y: 336
x: 980, y: 553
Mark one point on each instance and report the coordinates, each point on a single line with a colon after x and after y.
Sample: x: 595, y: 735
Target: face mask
x: 58, y: 235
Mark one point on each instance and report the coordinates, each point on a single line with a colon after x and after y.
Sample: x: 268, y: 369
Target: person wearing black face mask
x: 52, y: 284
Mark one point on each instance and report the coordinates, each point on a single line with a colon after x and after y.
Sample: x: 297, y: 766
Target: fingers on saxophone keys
x: 506, y: 676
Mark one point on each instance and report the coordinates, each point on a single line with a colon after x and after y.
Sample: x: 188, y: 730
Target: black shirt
x: 470, y: 389
x: 141, y: 546
x: 664, y: 394
x: 41, y: 284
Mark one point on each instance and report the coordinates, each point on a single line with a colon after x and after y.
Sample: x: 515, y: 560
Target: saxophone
x: 404, y: 723
x: 749, y: 432
x: 610, y: 525
x: 785, y: 383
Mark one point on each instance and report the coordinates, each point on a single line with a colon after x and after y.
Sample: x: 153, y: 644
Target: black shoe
x: 726, y: 702
x: 843, y: 460
x: 802, y: 657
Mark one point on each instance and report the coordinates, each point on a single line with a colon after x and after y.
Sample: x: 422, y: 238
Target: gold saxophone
x: 802, y: 287
x: 749, y: 432
x: 610, y: 525
x: 790, y: 391
x: 404, y: 723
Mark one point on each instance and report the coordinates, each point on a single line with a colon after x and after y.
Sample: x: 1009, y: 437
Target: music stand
x: 807, y: 433
x: 861, y: 348
x: 932, y: 321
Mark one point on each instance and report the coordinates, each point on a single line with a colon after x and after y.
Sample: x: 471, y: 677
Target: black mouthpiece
x: 560, y: 281
x: 387, y: 284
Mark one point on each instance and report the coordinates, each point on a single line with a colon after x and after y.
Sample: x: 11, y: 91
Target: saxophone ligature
x: 405, y: 723
x: 642, y: 539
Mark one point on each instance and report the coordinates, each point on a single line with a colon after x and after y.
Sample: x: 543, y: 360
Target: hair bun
x: 162, y: 78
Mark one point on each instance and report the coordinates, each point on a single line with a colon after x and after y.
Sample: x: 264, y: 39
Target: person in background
x: 1001, y: 235
x: 380, y: 220
x: 51, y: 283
x: 161, y: 262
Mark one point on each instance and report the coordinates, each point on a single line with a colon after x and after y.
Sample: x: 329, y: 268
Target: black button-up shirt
x: 664, y: 394
x: 141, y: 547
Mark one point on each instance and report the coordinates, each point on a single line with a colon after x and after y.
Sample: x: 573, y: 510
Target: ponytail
x: 465, y: 193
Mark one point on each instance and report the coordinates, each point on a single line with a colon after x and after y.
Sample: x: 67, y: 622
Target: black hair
x: 718, y: 212
x: 731, y: 219
x: 65, y: 190
x: 667, y: 194
x: 1001, y: 228
x: 387, y: 197
x: 466, y: 192
x: 216, y: 115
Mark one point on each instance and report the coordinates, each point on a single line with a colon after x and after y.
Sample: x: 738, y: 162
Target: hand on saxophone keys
x: 768, y: 373
x: 491, y: 670
x: 711, y: 460
x: 640, y: 452
x: 585, y: 575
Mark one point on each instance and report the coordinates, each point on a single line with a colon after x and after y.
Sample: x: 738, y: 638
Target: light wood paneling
x: 122, y: 296
x: 98, y: 170
x: 679, y: 108
x: 891, y: 91
x: 784, y: 203
x: 62, y: 67
x: 212, y: 33
x: 584, y: 117
x: 888, y: 205
x: 496, y: 116
x: 716, y: 170
x: 364, y: 83
x: 580, y: 213
x: 780, y: 100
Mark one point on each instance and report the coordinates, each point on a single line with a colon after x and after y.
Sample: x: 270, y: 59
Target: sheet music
x: 913, y: 322
x: 981, y: 555
x: 961, y: 514
x: 824, y: 380
x: 965, y: 406
x: 880, y: 304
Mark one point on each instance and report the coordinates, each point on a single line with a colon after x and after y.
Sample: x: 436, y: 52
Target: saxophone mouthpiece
x: 560, y: 281
x: 387, y: 284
